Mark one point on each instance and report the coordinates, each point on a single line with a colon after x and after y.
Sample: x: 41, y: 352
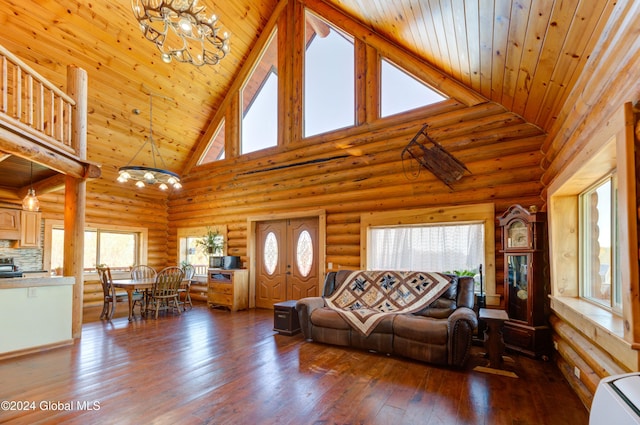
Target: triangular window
x: 402, y: 92
x: 215, y: 150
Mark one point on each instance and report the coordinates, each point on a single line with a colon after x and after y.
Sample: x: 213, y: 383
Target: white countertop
x: 25, y: 282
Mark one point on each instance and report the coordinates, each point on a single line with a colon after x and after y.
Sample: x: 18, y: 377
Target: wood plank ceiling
x: 524, y: 54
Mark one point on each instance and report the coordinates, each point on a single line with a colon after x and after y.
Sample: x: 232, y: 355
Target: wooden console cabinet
x: 228, y: 288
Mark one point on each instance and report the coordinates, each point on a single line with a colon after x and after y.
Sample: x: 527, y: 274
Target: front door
x: 286, y: 260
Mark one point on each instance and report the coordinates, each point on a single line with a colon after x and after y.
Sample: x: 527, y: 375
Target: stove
x: 8, y: 269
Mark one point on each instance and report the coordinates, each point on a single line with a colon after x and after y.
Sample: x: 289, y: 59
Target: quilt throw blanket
x: 366, y: 297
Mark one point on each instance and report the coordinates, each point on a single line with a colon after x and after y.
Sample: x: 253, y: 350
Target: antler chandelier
x: 144, y: 175
x: 181, y: 30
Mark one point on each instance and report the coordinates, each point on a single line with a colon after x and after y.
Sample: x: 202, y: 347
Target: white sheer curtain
x: 435, y: 248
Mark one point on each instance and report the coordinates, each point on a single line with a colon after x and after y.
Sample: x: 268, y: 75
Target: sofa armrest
x: 305, y: 307
x: 462, y: 323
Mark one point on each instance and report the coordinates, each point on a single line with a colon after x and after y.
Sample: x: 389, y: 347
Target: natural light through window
x: 260, y: 102
x: 215, y: 150
x: 401, y: 92
x: 600, y: 280
x: 329, y: 96
x: 117, y: 249
x: 439, y: 248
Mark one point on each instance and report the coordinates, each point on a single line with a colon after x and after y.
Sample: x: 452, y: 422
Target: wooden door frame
x: 251, y: 244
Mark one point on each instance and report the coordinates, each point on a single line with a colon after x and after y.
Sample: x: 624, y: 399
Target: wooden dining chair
x: 185, y: 288
x: 110, y: 296
x: 143, y: 272
x: 164, y: 293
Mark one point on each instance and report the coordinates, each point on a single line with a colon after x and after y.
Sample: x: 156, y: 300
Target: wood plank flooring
x: 215, y: 367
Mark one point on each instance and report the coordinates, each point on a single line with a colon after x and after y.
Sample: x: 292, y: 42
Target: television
x: 230, y: 262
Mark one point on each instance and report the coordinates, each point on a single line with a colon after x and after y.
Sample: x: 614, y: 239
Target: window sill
x: 600, y: 317
x: 601, y: 327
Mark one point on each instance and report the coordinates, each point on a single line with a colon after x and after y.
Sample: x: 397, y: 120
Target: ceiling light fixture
x: 181, y: 30
x: 30, y: 202
x: 144, y: 175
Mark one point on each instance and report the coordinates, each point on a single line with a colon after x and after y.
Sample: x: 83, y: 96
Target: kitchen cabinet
x: 9, y: 224
x: 30, y: 229
x: 228, y: 288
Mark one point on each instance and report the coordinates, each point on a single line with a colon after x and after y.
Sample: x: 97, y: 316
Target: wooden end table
x: 493, y: 342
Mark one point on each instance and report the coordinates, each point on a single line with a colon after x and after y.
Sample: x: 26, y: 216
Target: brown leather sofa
x: 440, y: 334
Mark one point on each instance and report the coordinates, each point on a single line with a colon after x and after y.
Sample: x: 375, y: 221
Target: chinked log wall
x: 363, y: 172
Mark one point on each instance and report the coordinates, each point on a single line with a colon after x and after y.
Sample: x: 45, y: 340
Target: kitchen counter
x: 39, y: 310
x: 22, y: 282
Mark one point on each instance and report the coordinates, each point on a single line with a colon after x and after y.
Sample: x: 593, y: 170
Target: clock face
x: 517, y: 235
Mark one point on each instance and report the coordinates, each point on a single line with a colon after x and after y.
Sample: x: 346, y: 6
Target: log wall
x: 608, y: 82
x: 362, y: 171
x: 109, y: 203
x: 349, y: 172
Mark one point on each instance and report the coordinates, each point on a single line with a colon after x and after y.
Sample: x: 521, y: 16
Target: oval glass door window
x: 304, y: 253
x: 270, y: 253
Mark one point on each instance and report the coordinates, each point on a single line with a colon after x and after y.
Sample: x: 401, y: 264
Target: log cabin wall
x: 109, y: 203
x: 362, y: 172
x: 357, y: 170
x: 584, y: 351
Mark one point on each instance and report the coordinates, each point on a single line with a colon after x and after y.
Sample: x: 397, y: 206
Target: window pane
x: 304, y: 253
x: 617, y: 269
x: 402, y: 92
x: 260, y: 102
x: 118, y: 250
x: 91, y: 250
x: 192, y: 254
x: 215, y: 150
x: 57, y: 248
x: 329, y: 74
x: 434, y: 248
x: 597, y: 244
x: 270, y: 253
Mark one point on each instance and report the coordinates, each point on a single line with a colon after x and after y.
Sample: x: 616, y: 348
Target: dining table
x: 131, y: 285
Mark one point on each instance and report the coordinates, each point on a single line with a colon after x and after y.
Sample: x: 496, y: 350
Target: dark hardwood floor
x: 215, y: 367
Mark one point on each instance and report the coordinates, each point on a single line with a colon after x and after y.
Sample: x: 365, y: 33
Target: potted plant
x: 212, y: 243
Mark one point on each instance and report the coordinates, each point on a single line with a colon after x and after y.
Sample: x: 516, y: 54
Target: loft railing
x: 31, y: 104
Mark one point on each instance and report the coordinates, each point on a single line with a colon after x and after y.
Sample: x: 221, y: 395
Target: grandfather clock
x: 526, y: 281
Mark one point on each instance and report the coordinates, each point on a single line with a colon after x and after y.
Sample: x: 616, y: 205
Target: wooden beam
x: 51, y: 184
x: 75, y: 198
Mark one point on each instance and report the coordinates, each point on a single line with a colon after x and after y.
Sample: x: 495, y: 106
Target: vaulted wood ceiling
x: 524, y: 54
